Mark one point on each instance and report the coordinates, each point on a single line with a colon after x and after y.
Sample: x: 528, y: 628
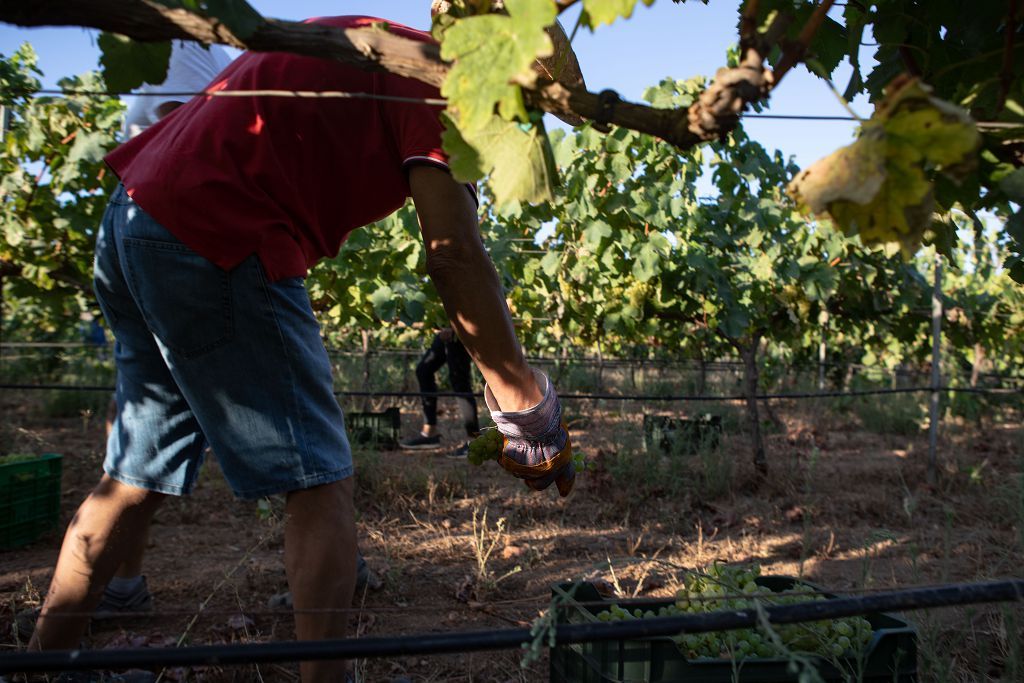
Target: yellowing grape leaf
x: 606, y: 11
x: 853, y: 174
x: 518, y: 158
x: 881, y: 186
x: 492, y: 54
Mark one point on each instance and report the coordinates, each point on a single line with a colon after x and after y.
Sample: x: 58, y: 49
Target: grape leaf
x: 599, y: 12
x: 881, y: 187
x: 127, y: 64
x: 494, y: 53
x: 520, y: 162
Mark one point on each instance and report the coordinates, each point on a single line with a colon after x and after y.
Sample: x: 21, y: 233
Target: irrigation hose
x: 472, y: 641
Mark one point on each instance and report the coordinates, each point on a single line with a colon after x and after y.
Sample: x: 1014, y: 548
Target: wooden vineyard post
x: 750, y: 379
x: 365, y: 337
x: 933, y: 408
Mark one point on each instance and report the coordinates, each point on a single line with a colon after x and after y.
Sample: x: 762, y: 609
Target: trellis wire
x: 328, y: 94
x: 710, y: 366
x: 594, y: 397
x: 472, y: 641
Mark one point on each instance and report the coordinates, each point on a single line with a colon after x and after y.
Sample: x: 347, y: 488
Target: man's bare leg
x: 107, y: 526
x: 320, y: 559
x: 132, y: 565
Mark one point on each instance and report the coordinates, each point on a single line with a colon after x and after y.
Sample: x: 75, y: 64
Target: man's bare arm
x: 469, y: 286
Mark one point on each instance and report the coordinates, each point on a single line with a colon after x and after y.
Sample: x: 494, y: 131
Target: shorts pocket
x: 185, y: 300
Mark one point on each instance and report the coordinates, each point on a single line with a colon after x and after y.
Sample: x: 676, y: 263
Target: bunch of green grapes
x: 734, y: 587
x: 485, y: 447
x: 579, y: 462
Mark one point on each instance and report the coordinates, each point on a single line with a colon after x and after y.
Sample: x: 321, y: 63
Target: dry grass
x: 842, y: 506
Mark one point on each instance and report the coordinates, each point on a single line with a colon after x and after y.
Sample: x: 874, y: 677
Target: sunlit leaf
x: 492, y: 54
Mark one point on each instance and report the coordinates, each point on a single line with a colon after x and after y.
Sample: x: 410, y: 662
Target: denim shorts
x: 208, y: 356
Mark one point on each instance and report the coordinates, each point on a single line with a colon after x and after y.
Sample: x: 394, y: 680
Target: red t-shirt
x: 282, y: 177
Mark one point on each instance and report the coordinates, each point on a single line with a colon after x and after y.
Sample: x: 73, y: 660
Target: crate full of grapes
x: 874, y: 648
x: 29, y: 497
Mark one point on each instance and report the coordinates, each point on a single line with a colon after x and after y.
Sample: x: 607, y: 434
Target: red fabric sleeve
x: 415, y: 128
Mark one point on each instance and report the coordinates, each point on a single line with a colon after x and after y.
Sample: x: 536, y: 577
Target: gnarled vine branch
x: 714, y: 115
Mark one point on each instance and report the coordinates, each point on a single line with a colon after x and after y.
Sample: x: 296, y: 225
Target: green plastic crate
x: 891, y: 656
x: 29, y: 499
x: 670, y: 435
x: 375, y: 429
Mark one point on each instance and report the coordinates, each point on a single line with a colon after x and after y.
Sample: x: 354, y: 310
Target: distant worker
x: 445, y: 349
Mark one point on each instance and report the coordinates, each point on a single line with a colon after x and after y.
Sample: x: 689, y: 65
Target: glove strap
x: 562, y: 458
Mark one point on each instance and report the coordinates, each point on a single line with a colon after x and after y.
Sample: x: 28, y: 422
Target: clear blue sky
x: 664, y: 40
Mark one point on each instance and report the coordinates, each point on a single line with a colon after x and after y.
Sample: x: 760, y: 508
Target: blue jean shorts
x: 208, y: 356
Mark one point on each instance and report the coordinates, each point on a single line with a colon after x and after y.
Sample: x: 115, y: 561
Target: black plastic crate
x: 671, y: 435
x: 891, y: 657
x: 374, y: 429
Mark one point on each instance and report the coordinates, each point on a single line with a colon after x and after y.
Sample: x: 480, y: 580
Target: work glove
x: 536, y: 444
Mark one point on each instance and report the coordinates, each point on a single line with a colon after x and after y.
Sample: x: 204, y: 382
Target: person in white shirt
x: 191, y: 68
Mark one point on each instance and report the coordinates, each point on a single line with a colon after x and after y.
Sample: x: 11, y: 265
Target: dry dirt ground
x: 464, y: 548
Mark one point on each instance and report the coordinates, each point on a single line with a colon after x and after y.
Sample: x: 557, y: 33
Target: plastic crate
x: 891, y: 657
x: 375, y: 429
x: 670, y: 435
x: 29, y: 499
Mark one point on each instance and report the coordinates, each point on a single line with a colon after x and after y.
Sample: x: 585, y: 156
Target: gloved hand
x: 536, y: 443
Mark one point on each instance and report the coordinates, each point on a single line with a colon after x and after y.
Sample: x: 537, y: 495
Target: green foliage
x: 378, y: 277
x: 53, y: 191
x: 962, y: 51
x: 498, y: 149
x: 128, y: 64
x: 491, y: 54
x: 488, y: 129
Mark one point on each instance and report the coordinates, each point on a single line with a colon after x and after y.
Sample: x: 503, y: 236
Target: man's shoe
x: 420, y: 442
x: 116, y: 603
x: 459, y: 453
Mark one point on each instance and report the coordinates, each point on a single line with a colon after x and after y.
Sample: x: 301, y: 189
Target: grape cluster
x: 829, y: 638
x: 485, y: 447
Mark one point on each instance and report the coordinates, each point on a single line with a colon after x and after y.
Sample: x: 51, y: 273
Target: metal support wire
x: 473, y: 641
x: 600, y: 397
